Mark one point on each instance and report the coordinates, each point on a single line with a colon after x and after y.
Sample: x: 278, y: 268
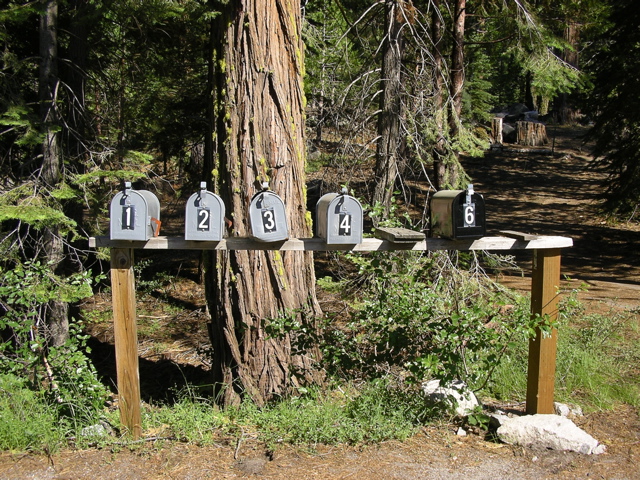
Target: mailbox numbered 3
x: 267, y: 217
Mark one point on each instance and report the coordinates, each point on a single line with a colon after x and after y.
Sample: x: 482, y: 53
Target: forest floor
x: 533, y: 193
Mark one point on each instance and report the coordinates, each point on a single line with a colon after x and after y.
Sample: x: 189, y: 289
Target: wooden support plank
x: 399, y: 235
x: 317, y: 244
x: 126, y: 339
x: 526, y: 237
x: 545, y: 283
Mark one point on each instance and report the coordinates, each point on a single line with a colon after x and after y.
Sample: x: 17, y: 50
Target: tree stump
x: 532, y: 134
x: 496, y: 132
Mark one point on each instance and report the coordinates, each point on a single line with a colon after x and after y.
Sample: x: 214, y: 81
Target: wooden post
x: 126, y: 339
x: 545, y: 282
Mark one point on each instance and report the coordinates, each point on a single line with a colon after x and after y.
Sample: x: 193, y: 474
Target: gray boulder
x: 547, y: 431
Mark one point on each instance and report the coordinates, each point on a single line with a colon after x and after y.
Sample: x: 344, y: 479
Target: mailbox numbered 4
x: 267, y: 217
x: 339, y: 219
x: 204, y: 216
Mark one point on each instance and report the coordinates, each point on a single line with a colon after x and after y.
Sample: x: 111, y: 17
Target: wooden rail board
x: 317, y: 244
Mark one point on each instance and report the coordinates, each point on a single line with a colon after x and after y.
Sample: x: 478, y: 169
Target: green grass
x: 596, y: 363
x: 27, y: 421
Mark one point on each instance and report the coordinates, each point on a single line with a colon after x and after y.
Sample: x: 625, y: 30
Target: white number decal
x: 268, y: 220
x: 204, y: 217
x: 470, y: 215
x: 344, y: 227
x: 128, y: 217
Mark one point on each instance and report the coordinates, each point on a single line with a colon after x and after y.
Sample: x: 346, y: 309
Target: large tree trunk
x: 388, y: 149
x: 457, y: 82
x: 568, y: 112
x: 439, y: 149
x: 261, y: 138
x: 56, y: 316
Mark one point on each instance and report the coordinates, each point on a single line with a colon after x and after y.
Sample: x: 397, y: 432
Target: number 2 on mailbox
x: 128, y: 217
x: 344, y: 227
x: 268, y: 220
x: 204, y: 219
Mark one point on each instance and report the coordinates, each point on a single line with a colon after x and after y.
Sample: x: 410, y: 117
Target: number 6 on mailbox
x: 267, y: 217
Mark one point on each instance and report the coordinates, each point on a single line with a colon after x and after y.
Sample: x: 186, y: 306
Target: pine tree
x: 616, y: 104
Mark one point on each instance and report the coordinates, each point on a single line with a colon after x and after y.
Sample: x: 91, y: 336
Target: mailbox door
x: 128, y: 217
x: 344, y: 221
x: 469, y: 218
x: 268, y: 218
x: 204, y: 217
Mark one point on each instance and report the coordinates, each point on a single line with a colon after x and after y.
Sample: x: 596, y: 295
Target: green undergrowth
x: 596, y: 364
x: 373, y: 394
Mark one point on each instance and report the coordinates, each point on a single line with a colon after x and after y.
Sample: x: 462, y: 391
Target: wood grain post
x: 126, y: 339
x: 545, y: 283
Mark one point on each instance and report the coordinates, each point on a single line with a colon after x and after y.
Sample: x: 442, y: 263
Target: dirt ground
x: 534, y: 193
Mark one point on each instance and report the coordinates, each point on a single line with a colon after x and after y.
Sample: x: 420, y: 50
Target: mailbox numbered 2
x: 204, y: 216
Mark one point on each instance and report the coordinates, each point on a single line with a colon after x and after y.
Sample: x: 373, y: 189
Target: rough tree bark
x: 56, y: 314
x: 439, y: 149
x: 388, y: 148
x: 260, y: 135
x: 457, y: 81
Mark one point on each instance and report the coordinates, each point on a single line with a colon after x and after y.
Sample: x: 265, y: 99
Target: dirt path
x: 553, y: 195
x: 558, y: 195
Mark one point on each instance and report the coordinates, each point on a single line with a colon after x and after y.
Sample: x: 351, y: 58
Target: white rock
x: 547, y: 431
x: 461, y: 432
x: 455, y: 395
x: 567, y: 410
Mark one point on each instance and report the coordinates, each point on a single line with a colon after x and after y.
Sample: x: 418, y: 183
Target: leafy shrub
x: 64, y: 372
x: 427, y: 315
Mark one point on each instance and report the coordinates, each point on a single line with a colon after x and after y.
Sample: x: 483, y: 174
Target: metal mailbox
x: 457, y: 214
x: 134, y: 215
x: 339, y: 218
x: 204, y: 216
x: 267, y: 217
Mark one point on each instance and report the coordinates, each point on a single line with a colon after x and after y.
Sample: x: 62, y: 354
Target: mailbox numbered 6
x: 339, y: 219
x: 204, y: 216
x: 134, y: 215
x: 267, y: 217
x: 458, y: 214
